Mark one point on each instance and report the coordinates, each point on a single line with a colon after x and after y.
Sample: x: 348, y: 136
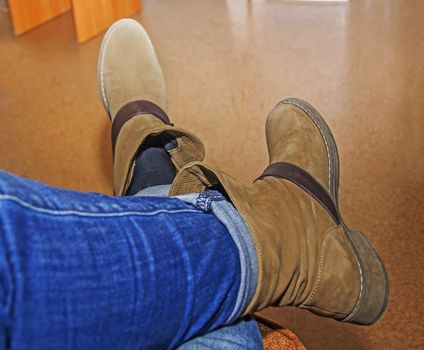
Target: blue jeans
x: 242, y: 334
x: 86, y: 271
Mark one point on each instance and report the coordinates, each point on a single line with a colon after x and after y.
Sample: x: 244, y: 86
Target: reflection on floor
x: 227, y: 63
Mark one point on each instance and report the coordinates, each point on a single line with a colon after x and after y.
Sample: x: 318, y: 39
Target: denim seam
x: 92, y: 214
x: 205, y: 199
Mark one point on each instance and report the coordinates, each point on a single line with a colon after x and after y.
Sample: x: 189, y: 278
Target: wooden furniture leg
x: 29, y: 14
x: 94, y: 16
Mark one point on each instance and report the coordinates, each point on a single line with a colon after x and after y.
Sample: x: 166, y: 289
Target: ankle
x: 153, y: 167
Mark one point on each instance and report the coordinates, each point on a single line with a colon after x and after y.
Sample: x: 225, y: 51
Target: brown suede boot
x: 307, y: 257
x: 133, y: 93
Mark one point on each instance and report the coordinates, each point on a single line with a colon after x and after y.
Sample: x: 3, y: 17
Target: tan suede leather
x: 292, y: 137
x: 305, y: 258
x: 128, y: 68
x: 289, y: 229
x: 129, y: 71
x: 132, y: 136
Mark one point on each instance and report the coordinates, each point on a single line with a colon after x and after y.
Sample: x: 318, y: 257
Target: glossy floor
x: 227, y: 63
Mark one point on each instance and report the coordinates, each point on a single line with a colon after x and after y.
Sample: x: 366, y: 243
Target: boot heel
x: 375, y: 282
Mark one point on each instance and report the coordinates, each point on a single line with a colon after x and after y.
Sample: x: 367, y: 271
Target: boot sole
x: 375, y: 282
x: 374, y: 294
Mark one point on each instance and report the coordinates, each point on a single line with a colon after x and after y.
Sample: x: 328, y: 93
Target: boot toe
x: 297, y: 134
x: 128, y: 68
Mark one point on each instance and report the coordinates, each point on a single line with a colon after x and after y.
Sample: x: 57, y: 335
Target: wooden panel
x: 94, y: 16
x: 29, y: 14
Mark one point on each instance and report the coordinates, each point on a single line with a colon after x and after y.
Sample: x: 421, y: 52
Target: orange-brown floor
x: 227, y: 63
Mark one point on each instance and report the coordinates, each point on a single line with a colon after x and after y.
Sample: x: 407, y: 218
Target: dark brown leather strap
x: 132, y: 109
x: 306, y: 182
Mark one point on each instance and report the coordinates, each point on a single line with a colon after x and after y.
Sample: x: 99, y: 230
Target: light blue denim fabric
x: 242, y: 334
x: 154, y: 191
x: 90, y: 271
